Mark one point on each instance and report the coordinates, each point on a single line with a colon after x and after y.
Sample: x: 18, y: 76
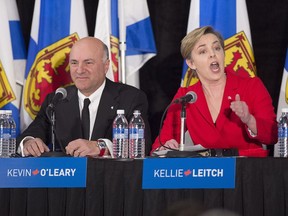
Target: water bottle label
x: 116, y: 132
x: 126, y: 133
x: 120, y: 133
x: 13, y: 134
x: 136, y: 133
x: 5, y: 133
x: 141, y: 133
x: 282, y: 132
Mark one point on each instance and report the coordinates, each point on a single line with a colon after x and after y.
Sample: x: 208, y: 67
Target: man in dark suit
x: 89, y: 63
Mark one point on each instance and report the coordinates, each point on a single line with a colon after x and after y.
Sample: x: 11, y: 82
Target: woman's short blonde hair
x: 189, y: 41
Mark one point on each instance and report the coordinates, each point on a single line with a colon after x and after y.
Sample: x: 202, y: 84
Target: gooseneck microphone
x: 60, y: 94
x: 190, y: 97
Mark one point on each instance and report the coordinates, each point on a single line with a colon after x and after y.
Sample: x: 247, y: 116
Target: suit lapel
x: 106, y: 111
x: 229, y: 95
x: 201, y: 104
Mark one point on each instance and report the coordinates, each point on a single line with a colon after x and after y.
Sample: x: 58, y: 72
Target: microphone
x: 60, y: 94
x: 190, y: 97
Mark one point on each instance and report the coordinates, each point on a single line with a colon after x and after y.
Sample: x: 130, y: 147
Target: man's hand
x: 34, y: 147
x: 82, y: 148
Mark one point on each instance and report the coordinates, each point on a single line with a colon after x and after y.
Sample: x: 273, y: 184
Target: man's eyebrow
x: 89, y: 59
x: 85, y: 60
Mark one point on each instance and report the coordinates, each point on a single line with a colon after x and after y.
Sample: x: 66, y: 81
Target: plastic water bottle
x: 136, y: 136
x: 120, y: 135
x: 4, y: 134
x: 12, y: 132
x: 283, y: 133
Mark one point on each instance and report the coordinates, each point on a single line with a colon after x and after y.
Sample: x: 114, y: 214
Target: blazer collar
x: 229, y: 94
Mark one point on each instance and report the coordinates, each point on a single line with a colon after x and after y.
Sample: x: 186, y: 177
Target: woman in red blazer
x: 231, y: 112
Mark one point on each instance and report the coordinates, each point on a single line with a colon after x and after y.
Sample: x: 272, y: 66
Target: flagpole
x: 122, y: 41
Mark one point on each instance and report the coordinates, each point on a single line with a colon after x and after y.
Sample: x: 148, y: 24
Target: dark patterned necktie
x: 86, y: 119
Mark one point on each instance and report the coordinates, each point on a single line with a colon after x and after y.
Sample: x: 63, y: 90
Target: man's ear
x: 107, y: 64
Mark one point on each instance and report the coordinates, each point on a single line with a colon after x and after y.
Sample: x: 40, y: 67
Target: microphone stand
x: 183, y: 126
x: 181, y: 153
x: 52, y: 119
x: 52, y: 129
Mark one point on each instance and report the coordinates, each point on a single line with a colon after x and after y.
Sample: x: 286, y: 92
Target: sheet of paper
x: 197, y: 147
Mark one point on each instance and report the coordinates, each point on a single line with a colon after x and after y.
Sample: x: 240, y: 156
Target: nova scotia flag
x: 139, y: 36
x: 227, y: 17
x: 12, y: 59
x: 55, y: 27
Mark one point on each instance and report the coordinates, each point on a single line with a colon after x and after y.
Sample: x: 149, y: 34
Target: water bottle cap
x: 8, y: 111
x: 120, y: 111
x: 284, y: 110
x: 136, y: 112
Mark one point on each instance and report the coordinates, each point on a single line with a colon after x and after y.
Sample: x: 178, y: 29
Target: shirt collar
x: 94, y: 95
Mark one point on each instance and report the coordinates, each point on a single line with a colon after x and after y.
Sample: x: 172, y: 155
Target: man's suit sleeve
x: 40, y: 126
